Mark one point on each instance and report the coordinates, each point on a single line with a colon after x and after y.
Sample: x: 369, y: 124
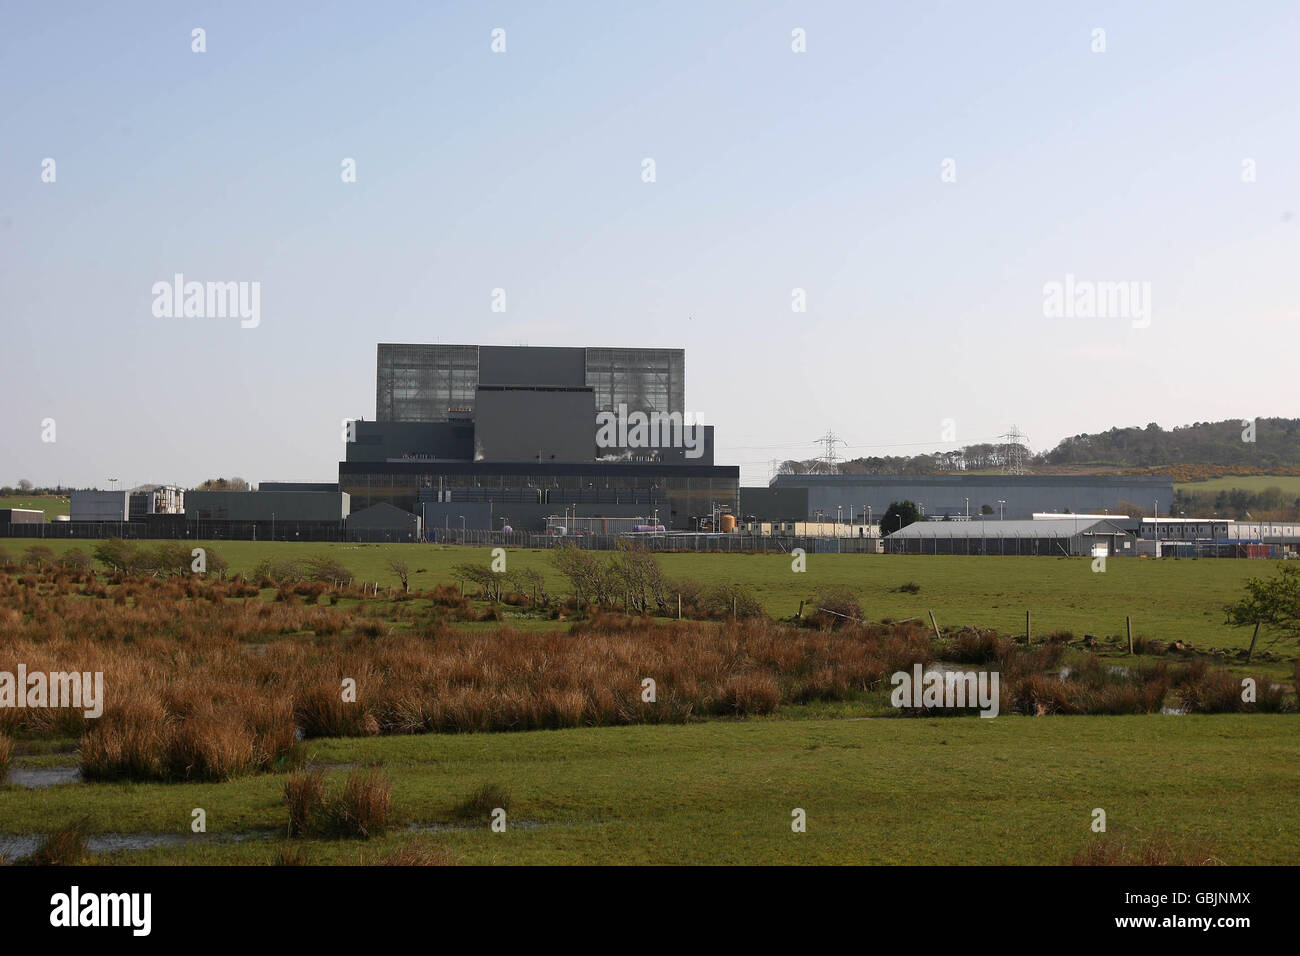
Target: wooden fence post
x: 935, y: 625
x: 1128, y: 626
x: 1029, y: 631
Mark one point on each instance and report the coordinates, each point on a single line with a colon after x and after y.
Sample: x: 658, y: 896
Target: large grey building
x: 527, y: 432
x: 1008, y: 496
x: 438, y: 383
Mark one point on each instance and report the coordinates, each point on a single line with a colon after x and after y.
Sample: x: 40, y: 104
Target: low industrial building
x: 267, y: 515
x: 1061, y: 537
x: 859, y: 497
x: 21, y: 516
x: 384, y: 522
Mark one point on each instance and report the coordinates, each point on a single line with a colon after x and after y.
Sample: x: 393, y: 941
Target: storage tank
x: 728, y: 524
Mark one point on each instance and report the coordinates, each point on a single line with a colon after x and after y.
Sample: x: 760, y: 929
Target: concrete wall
x: 524, y: 365
x: 535, y: 425
x: 380, y: 441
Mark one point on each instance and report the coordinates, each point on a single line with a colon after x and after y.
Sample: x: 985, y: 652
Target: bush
x: 63, y: 847
x: 304, y: 795
x: 6, y: 753
x: 482, y: 802
x: 324, y: 567
x: 39, y: 556
x: 834, y: 608
x: 271, y: 571
x: 363, y: 807
x: 418, y: 852
x: 75, y: 560
x: 722, y: 598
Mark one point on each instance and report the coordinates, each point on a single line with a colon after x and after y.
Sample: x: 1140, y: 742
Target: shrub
x: 1134, y: 849
x: 75, y: 560
x: 39, y: 556
x: 363, y: 807
x: 324, y: 567
x: 304, y: 795
x: 64, y: 847
x: 418, y: 852
x: 270, y: 572
x: 834, y: 608
x: 6, y: 753
x: 910, y: 587
x: 721, y: 599
x: 482, y: 802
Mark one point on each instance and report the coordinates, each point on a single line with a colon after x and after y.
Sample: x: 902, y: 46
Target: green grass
x: 960, y: 790
x: 1171, y: 599
x: 1168, y: 600
x: 51, y: 505
x: 1290, y: 484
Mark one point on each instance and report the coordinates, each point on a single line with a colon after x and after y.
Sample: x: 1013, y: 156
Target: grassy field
x: 959, y: 790
x: 1172, y: 599
x: 1290, y: 484
x: 51, y: 504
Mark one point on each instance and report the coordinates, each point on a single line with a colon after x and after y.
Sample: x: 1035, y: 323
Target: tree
x: 899, y: 514
x: 1272, y: 602
x: 986, y: 509
x: 24, y: 485
x: 403, y: 572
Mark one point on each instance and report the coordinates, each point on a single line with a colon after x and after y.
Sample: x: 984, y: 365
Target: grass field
x: 965, y: 790
x: 51, y: 504
x: 1172, y: 599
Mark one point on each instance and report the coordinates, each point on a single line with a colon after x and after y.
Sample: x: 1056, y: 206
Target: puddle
x: 12, y: 847
x: 1174, y: 711
x: 35, y: 778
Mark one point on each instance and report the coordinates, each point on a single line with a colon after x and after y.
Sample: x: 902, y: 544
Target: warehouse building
x: 1060, y: 537
x: 267, y: 515
x: 1006, y: 496
x: 10, y: 516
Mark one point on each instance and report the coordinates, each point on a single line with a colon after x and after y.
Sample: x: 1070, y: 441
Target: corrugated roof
x: 993, y: 528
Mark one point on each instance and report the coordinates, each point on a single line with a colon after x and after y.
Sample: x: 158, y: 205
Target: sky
x: 921, y: 173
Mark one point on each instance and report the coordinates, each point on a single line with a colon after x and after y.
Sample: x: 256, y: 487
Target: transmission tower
x: 1015, y: 452
x: 829, y: 460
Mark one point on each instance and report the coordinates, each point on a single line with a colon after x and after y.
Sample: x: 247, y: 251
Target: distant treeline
x: 1257, y: 445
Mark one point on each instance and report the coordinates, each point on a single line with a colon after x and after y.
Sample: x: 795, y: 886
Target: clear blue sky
x: 522, y: 171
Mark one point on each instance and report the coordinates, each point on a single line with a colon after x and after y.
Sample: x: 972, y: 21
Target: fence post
x: 679, y: 606
x: 935, y: 625
x: 1128, y: 626
x: 1029, y: 631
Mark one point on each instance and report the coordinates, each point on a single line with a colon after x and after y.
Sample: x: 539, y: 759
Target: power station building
x: 472, y: 436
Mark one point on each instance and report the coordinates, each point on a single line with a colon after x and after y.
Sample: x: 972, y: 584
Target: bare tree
x: 399, y: 567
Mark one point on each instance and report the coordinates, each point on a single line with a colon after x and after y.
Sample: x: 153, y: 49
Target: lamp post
x: 1001, y: 504
x: 968, y: 509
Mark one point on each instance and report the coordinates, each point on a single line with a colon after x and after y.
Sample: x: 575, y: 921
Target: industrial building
x: 99, y: 506
x: 865, y: 497
x: 267, y: 515
x: 485, y: 437
x: 1061, y: 537
x: 10, y: 516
